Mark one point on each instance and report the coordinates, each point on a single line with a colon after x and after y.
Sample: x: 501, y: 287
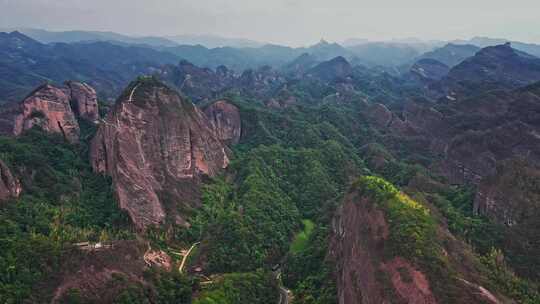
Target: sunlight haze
x: 289, y: 22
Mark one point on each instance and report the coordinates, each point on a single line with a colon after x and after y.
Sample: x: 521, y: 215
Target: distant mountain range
x: 531, y: 48
x: 45, y: 36
x: 239, y: 54
x: 451, y: 54
x: 26, y: 63
x: 493, y: 67
x: 209, y: 41
x: 110, y: 65
x: 214, y: 41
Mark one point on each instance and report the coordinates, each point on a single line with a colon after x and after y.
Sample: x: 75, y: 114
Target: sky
x: 288, y: 22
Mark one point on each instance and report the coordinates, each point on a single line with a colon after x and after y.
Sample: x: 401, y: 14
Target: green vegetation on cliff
x: 412, y: 228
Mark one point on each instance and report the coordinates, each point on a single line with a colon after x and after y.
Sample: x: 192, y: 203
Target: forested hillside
x: 323, y: 182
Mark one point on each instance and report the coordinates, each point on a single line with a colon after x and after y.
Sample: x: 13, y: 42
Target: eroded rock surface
x: 157, y: 147
x: 369, y: 269
x: 10, y: 186
x: 83, y: 100
x: 360, y: 231
x: 47, y: 107
x: 225, y: 118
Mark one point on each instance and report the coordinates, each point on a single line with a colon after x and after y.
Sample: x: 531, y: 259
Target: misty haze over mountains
x: 212, y: 51
x: 101, y: 53
x: 215, y: 41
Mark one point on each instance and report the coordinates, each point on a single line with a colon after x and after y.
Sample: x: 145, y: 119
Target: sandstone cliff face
x: 10, y: 186
x: 371, y: 269
x: 83, y: 100
x: 156, y: 146
x: 363, y: 276
x: 47, y: 107
x: 225, y: 118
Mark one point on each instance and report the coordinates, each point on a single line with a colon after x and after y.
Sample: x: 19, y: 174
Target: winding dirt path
x: 184, y: 259
x: 132, y: 92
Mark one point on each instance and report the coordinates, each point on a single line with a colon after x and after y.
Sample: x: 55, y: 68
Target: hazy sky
x: 293, y: 22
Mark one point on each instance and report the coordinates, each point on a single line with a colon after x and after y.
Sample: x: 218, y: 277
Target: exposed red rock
x: 99, y: 275
x: 83, y: 100
x: 367, y: 271
x: 47, y: 107
x: 225, y: 118
x: 10, y: 186
x: 360, y: 231
x: 156, y: 146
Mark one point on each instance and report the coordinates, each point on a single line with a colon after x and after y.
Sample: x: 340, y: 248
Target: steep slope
x: 53, y: 109
x: 49, y: 108
x: 388, y: 249
x: 83, y: 99
x: 225, y: 118
x: 493, y: 67
x: 10, y: 186
x: 157, y: 147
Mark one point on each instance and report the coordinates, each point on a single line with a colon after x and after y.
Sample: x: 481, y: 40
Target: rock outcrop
x: 157, y: 147
x: 49, y: 108
x: 225, y: 118
x: 373, y: 268
x: 363, y: 276
x: 83, y: 100
x: 10, y: 186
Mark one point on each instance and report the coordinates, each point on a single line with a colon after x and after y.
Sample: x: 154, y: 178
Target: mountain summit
x: 156, y: 146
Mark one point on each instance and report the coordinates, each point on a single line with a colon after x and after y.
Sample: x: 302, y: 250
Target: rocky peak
x: 157, y: 147
x: 502, y: 50
x: 49, y: 108
x: 16, y: 39
x: 225, y: 118
x: 83, y: 100
x: 494, y: 67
